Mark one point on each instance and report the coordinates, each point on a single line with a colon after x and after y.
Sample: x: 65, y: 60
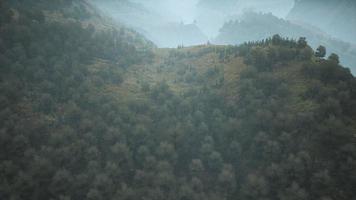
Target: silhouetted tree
x: 334, y: 58
x: 321, y: 52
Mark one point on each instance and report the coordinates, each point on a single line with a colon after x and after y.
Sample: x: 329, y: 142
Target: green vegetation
x: 87, y: 113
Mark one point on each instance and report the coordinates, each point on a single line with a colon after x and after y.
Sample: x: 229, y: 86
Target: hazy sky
x: 180, y: 10
x: 187, y: 10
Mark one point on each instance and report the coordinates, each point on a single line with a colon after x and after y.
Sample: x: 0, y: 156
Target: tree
x: 276, y: 39
x: 196, y: 167
x: 260, y: 58
x: 305, y: 53
x: 215, y: 162
x: 302, y: 42
x: 334, y: 58
x: 226, y: 179
x: 320, y: 52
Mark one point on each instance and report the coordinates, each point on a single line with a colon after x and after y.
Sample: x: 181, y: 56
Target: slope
x: 88, y: 115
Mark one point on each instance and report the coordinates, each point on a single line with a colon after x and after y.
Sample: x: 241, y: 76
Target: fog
x: 335, y: 17
x: 172, y: 23
x: 169, y: 23
x: 178, y: 10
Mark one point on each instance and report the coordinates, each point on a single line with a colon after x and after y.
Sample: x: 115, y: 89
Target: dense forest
x: 89, y: 111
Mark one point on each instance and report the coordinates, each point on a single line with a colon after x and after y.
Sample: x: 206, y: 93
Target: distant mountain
x: 337, y: 17
x: 257, y: 26
x: 127, y: 12
x: 279, y: 8
x: 175, y: 34
x: 212, y: 14
x: 164, y: 31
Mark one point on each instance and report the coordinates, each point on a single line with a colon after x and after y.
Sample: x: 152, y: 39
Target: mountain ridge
x: 335, y: 17
x: 257, y: 26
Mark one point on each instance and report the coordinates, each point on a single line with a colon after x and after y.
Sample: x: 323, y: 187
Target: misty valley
x: 177, y: 100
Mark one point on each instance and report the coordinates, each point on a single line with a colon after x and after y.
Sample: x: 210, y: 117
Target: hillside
x: 91, y: 113
x: 337, y: 17
x: 258, y: 26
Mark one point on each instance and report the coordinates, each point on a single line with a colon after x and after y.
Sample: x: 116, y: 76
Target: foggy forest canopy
x: 177, y: 100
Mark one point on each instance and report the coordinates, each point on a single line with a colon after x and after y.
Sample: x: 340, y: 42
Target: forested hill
x: 87, y: 113
x: 337, y: 17
x: 257, y: 26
